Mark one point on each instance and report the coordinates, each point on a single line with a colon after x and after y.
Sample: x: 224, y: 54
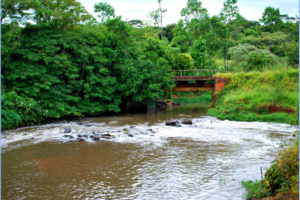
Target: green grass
x: 254, y: 189
x: 249, y: 95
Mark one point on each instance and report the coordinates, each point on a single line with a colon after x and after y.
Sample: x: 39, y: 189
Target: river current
x: 205, y: 160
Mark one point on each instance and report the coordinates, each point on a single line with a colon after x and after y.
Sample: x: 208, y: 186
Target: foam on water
x: 207, y: 129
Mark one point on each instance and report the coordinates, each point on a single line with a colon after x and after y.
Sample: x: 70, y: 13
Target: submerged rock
x: 79, y: 135
x: 186, y: 121
x: 67, y: 130
x: 85, y: 136
x: 31, y: 138
x: 67, y: 136
x: 172, y: 123
x: 178, y: 125
x: 80, y: 139
x: 130, y: 135
x: 95, y: 138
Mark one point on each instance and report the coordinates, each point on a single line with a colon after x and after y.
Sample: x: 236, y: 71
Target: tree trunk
x: 160, y: 21
x: 225, y: 57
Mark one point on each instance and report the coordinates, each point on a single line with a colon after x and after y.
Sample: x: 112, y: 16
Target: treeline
x: 58, y: 60
x: 243, y: 45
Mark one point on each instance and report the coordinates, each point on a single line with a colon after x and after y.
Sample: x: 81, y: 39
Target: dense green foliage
x: 16, y: 109
x: 252, y: 96
x: 73, y: 65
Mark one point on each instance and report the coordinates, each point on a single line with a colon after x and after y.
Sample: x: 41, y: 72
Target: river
x: 205, y: 160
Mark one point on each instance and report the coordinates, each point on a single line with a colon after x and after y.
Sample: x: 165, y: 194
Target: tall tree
x: 63, y: 14
x: 199, y: 53
x: 106, y: 11
x: 196, y: 18
x: 181, y: 37
x: 17, y: 9
x: 155, y: 16
x: 272, y: 18
x: 229, y: 12
x: 161, y: 16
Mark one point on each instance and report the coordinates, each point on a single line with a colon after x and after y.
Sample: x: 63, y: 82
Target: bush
x: 16, y: 109
x: 247, y: 57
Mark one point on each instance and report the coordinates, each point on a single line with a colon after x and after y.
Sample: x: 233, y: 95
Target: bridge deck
x: 193, y: 78
x: 191, y: 89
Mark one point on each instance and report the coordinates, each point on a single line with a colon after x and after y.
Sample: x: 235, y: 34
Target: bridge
x: 194, y: 82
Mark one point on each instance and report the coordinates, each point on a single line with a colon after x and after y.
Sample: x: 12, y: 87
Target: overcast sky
x: 139, y: 9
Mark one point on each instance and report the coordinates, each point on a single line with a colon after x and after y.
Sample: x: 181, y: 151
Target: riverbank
x: 281, y: 180
x: 269, y: 96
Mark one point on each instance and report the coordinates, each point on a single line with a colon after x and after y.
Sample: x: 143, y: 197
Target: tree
x: 136, y: 23
x: 228, y: 13
x: 196, y: 18
x: 155, y: 16
x: 271, y: 17
x: 168, y: 32
x: 106, y: 11
x: 181, y: 37
x: 193, y: 10
x: 199, y: 53
x: 63, y: 14
x: 161, y: 16
x: 17, y: 9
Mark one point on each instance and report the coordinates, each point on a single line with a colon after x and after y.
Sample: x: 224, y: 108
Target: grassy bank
x: 270, y: 96
x: 191, y: 97
x: 281, y: 180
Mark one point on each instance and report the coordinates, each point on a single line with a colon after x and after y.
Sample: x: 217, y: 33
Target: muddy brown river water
x: 206, y: 160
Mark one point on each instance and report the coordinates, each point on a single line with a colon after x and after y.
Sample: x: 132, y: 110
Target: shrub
x: 16, y: 109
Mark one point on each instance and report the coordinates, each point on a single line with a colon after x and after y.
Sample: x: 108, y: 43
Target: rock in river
x: 95, y: 138
x: 67, y: 130
x: 80, y: 139
x: 186, y: 121
x: 172, y: 123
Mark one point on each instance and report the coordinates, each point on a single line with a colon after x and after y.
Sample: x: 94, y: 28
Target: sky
x: 139, y: 9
